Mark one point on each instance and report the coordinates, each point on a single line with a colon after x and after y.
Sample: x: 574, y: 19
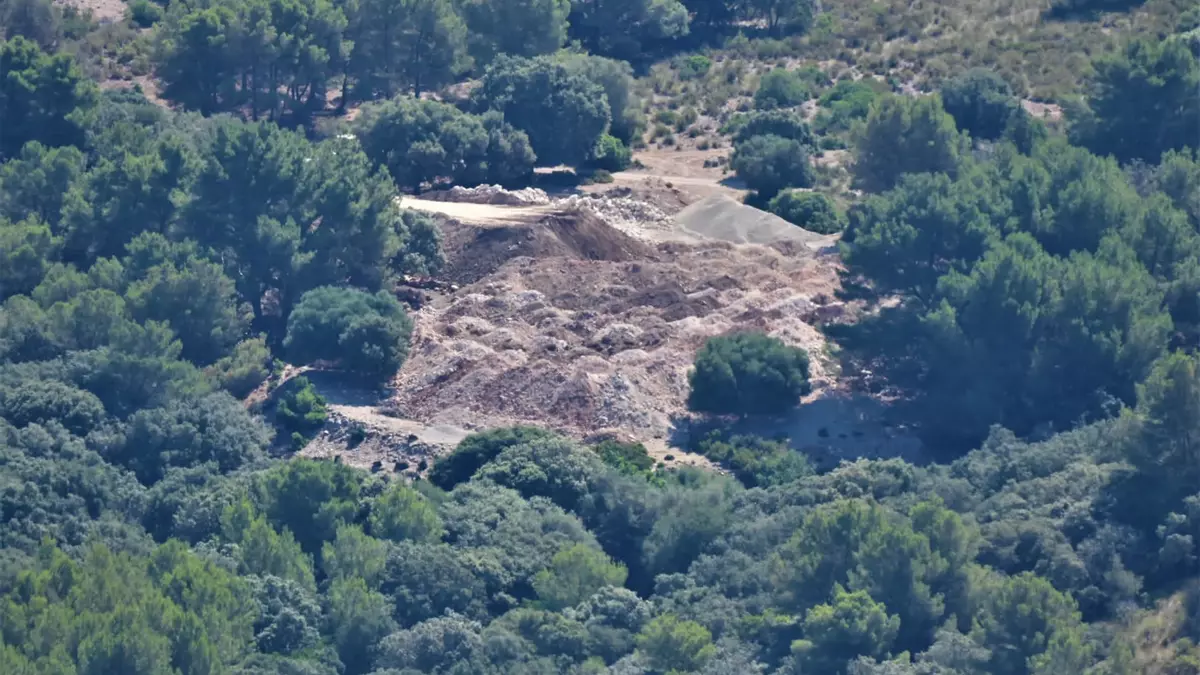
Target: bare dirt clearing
x: 584, y: 315
x: 569, y: 322
x: 693, y: 172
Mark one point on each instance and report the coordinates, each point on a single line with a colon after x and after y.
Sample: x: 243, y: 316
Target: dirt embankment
x: 586, y: 318
x: 590, y: 344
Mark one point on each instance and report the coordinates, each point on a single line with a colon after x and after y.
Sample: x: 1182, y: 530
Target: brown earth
x: 580, y: 327
x: 588, y: 322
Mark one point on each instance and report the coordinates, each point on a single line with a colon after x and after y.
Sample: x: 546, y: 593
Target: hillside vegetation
x: 177, y: 257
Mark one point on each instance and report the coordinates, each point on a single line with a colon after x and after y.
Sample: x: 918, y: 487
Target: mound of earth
x: 725, y: 219
x: 473, y: 251
x: 591, y: 343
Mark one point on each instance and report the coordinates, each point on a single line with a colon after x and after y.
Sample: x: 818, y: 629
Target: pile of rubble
x: 622, y: 213
x: 490, y: 194
x: 594, y: 344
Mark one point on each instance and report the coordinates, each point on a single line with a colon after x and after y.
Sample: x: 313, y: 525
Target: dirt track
x: 480, y: 214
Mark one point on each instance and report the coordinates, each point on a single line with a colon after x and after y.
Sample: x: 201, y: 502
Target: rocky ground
x: 584, y: 314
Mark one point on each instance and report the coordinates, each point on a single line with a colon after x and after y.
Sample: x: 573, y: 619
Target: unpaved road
x: 443, y: 435
x: 685, y: 170
x: 481, y: 214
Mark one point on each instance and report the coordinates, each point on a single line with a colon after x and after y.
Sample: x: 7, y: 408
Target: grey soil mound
x: 725, y: 219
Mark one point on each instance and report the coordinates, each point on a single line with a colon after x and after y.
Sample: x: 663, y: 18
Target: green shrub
x: 693, y: 67
x: 366, y: 334
x: 628, y: 458
x: 847, y: 101
x: 811, y: 210
x: 747, y: 373
x: 299, y: 409
x: 771, y: 163
x: 980, y: 101
x: 781, y: 89
x: 787, y: 124
x: 611, y: 154
x: 242, y: 371
x: 755, y: 461
x: 145, y: 13
x: 478, y: 449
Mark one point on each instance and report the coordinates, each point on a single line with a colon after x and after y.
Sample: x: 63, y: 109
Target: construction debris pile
x: 631, y: 216
x: 490, y: 194
x: 590, y: 345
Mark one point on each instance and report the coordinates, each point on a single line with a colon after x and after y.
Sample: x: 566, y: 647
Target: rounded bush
x: 811, y: 210
x: 748, y: 373
x: 781, y: 89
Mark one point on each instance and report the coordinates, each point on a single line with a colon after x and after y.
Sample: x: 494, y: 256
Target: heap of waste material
x: 619, y: 212
x: 490, y: 194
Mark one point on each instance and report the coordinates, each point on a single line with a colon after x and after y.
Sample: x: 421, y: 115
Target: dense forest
x: 159, y: 264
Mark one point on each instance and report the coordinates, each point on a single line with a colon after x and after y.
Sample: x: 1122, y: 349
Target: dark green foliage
x: 145, y: 13
x: 359, y: 618
x: 906, y: 135
x: 1027, y: 283
x: 628, y: 458
x: 623, y: 29
x: 781, y: 88
x: 770, y: 163
x: 811, y: 210
x: 574, y: 575
x: 34, y: 183
x: 26, y: 249
x: 980, y: 101
x: 43, y: 402
x: 515, y: 27
x: 366, y: 334
x: 43, y: 98
x: 562, y: 112
x: 554, y: 468
x: 274, y: 73
x: 756, y: 461
x: 771, y: 151
x: 610, y: 154
x: 215, y: 428
x: 299, y: 409
x: 850, y: 626
x: 243, y: 370
x: 402, y: 513
x: 311, y: 499
x: 616, y: 79
x: 845, y: 103
x: 197, y: 301
x: 783, y: 16
x: 693, y: 66
x: 787, y: 124
x: 423, y: 141
x: 257, y: 173
x: 747, y: 373
x: 478, y: 449
x: 1141, y: 101
x: 412, y: 47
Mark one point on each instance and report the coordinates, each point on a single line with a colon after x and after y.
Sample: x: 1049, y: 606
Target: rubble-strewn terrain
x: 595, y: 344
x: 585, y: 313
